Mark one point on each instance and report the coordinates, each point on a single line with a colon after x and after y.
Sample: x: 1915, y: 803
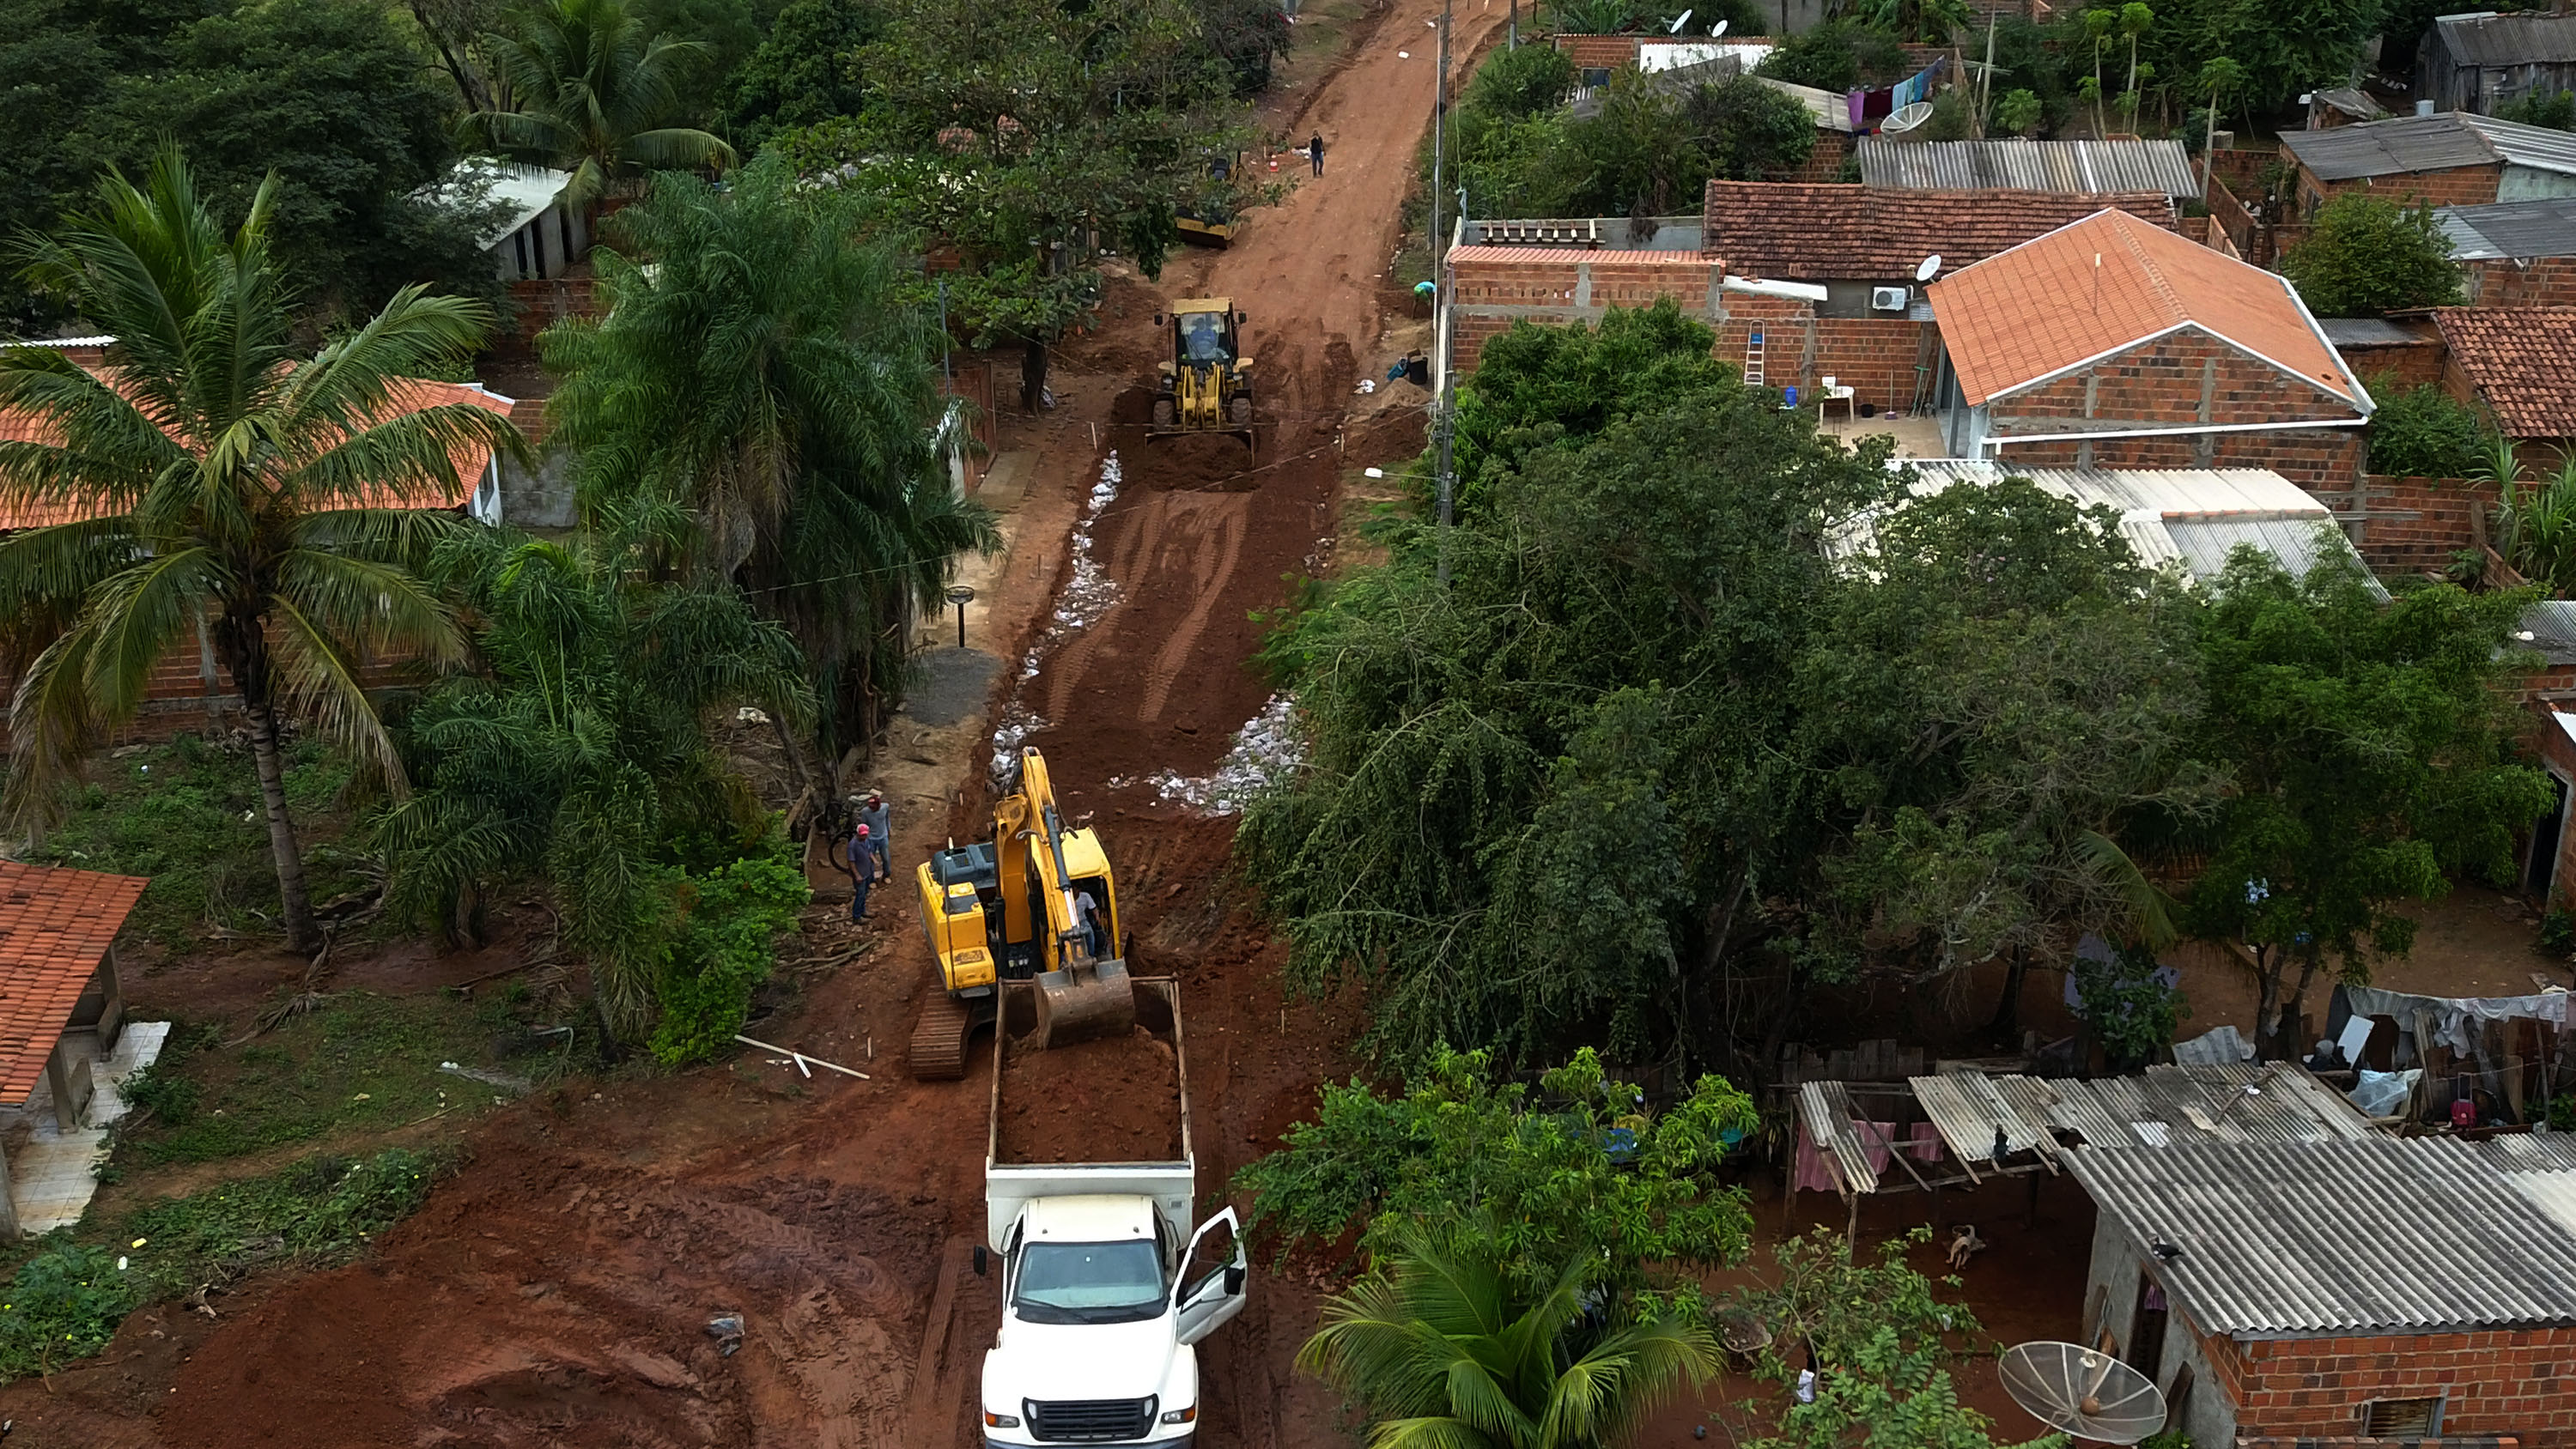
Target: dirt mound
x: 1114, y: 1100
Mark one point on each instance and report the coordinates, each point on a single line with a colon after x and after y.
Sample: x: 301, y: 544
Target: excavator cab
x: 1036, y: 902
x: 1207, y: 386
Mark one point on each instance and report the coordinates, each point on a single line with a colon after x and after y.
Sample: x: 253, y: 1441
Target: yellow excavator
x: 1207, y: 386
x: 1037, y: 900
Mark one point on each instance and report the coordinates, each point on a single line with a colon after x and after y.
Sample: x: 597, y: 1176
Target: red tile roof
x: 55, y: 927
x: 2111, y: 281
x: 1831, y: 232
x: 1489, y: 253
x: 2522, y: 360
x: 410, y: 395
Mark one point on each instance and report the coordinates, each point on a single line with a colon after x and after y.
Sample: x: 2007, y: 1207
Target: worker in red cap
x: 862, y: 873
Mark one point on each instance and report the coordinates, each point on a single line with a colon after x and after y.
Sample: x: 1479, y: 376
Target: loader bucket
x: 1084, y: 1002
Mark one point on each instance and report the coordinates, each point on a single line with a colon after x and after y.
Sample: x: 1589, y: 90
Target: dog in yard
x: 1965, y: 1244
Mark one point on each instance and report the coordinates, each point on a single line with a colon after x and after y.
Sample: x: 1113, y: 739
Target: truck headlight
x: 1000, y: 1421
x: 1181, y: 1416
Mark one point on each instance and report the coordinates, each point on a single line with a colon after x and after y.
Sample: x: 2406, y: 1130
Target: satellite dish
x: 1931, y: 264
x: 1678, y: 23
x: 2081, y: 1391
x: 1719, y: 29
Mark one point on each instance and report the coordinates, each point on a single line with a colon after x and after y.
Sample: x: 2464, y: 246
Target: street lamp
x: 961, y: 596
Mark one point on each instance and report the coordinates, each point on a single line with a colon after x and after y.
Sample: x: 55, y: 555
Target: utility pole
x: 1440, y: 409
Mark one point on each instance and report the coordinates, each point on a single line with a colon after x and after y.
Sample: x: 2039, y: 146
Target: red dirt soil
x: 557, y: 1290
x: 1113, y: 1100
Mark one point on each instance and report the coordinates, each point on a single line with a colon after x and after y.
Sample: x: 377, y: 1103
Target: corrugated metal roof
x: 1832, y: 111
x: 2542, y: 1167
x: 2551, y: 623
x: 2081, y: 167
x: 2369, y: 332
x: 2540, y: 228
x: 1968, y: 1107
x: 1825, y: 1110
x: 2352, y: 101
x: 2428, y: 143
x: 2418, y: 1234
x: 2508, y: 40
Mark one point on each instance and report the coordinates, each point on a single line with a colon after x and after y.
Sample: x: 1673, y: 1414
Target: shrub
x: 1749, y: 130
x: 1837, y: 56
x: 1521, y: 82
x: 2423, y: 432
x: 733, y: 916
x: 2017, y: 112
x: 2554, y: 109
x: 2366, y: 257
x: 64, y: 1303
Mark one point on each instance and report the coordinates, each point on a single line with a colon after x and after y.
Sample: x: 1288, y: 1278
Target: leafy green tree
x: 2132, y: 1012
x: 2537, y: 107
x: 2007, y: 691
x: 1441, y: 1348
x: 1533, y: 812
x: 1589, y: 1174
x: 1638, y: 152
x: 2367, y: 256
x: 1881, y: 1337
x: 802, y: 74
x: 322, y: 94
x: 229, y: 478
x: 2017, y: 111
x: 578, y: 754
x: 2281, y: 49
x: 1527, y: 80
x: 1748, y: 130
x: 766, y: 378
x: 2423, y: 432
x: 593, y: 88
x: 1839, y: 55
x: 2372, y: 749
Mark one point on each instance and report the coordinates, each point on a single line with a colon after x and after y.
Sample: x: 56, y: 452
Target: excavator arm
x: 1080, y: 994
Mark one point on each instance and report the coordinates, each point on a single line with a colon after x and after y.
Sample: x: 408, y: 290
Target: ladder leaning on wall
x: 1753, y: 359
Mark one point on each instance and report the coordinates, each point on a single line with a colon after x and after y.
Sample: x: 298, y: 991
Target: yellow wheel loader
x: 1035, y: 901
x: 1207, y: 386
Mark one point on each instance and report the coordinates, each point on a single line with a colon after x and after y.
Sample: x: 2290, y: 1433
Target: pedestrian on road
x: 862, y: 874
x: 880, y: 824
x: 1315, y: 151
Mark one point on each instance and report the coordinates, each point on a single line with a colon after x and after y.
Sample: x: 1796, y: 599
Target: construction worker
x: 879, y: 821
x: 1315, y: 151
x: 862, y: 874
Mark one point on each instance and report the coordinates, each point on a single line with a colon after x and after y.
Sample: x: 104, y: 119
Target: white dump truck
x: 1105, y: 1282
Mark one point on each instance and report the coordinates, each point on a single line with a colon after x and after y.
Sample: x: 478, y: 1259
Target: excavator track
x: 940, y: 1039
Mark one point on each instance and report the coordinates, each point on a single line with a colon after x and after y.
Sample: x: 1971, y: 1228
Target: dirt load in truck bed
x: 1114, y: 1100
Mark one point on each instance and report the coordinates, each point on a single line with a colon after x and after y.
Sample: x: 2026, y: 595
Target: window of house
x: 2401, y: 1418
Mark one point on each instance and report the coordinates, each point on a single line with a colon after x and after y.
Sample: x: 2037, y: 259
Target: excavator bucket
x: 1084, y: 1002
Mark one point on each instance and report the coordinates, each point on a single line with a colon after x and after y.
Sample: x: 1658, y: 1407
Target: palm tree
x: 579, y: 752
x: 1441, y: 1352
x: 219, y: 478
x: 766, y: 376
x: 592, y: 89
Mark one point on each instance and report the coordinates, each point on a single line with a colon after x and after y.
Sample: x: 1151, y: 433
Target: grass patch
x: 363, y: 1063
x: 187, y: 814
x: 66, y: 1299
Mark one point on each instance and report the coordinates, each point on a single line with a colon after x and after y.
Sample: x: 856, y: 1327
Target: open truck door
x: 1208, y: 1301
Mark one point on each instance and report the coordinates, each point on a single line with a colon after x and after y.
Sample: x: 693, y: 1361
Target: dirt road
x: 558, y: 1290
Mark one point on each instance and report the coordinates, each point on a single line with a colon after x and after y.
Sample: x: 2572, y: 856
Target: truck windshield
x: 1090, y: 1282
x: 1202, y: 338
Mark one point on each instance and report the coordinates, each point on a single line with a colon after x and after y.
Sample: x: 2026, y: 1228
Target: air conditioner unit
x: 1887, y: 299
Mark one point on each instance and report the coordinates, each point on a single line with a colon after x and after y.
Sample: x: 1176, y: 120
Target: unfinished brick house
x: 2365, y: 1288
x: 2517, y: 365
x: 1841, y: 250
x: 188, y: 681
x: 2515, y: 253
x: 2451, y: 159
x: 2114, y: 343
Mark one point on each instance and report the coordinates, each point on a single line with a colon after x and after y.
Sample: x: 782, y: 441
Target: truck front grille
x: 1090, y: 1421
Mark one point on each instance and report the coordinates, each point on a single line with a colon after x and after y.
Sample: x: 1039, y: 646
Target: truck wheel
x: 1240, y: 411
x: 1162, y: 412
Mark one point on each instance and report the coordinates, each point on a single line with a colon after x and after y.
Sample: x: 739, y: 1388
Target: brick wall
x: 1875, y: 356
x: 2163, y: 382
x: 541, y: 303
x: 2542, y: 282
x: 2441, y: 527
x: 1598, y: 52
x: 2458, y: 186
x: 2411, y: 364
x: 2230, y: 217
x: 1825, y: 163
x: 2502, y: 1382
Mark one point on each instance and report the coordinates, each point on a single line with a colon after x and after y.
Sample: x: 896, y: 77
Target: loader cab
x: 961, y: 916
x: 1086, y: 868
